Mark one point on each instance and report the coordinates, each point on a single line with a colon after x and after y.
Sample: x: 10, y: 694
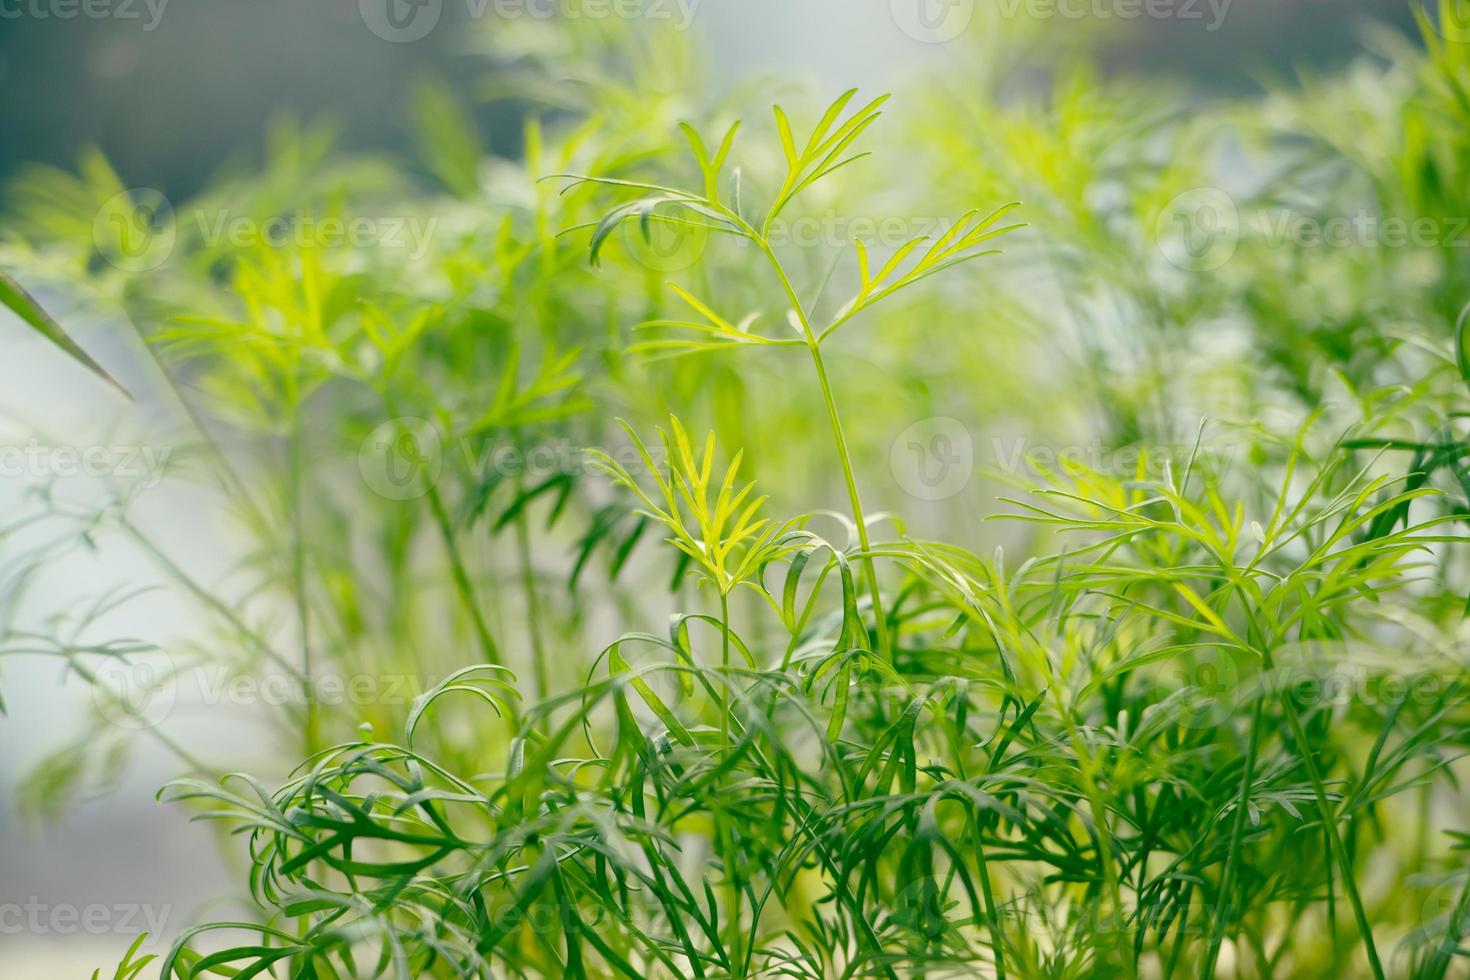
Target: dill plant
x: 1102, y: 749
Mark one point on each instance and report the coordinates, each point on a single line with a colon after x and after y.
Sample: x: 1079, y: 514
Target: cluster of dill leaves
x: 649, y: 492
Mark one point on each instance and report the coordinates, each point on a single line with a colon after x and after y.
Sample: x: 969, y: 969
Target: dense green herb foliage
x: 1193, y: 704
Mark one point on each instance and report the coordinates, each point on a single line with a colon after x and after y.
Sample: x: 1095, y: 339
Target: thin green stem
x: 870, y: 570
x: 731, y: 855
x: 725, y: 670
x: 229, y: 476
x: 533, y: 604
x: 311, y: 734
x: 1334, y: 837
x: 1101, y: 824
x: 211, y: 601
x: 992, y: 915
x: 154, y: 731
x: 1232, y: 856
x: 844, y: 457
x: 463, y: 584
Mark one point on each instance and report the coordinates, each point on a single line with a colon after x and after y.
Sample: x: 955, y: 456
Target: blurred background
x: 173, y: 96
x: 175, y: 92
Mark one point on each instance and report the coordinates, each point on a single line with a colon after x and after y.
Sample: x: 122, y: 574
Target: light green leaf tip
x: 14, y: 298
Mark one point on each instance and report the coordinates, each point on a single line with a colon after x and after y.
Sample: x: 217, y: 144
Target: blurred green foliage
x: 1194, y: 704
